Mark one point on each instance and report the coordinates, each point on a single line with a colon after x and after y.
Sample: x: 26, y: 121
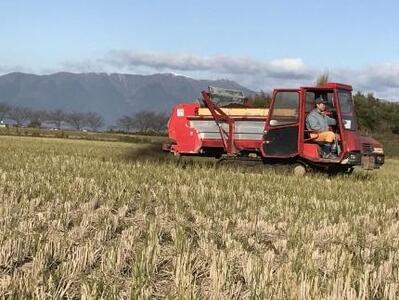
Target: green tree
x: 376, y: 115
x: 261, y: 99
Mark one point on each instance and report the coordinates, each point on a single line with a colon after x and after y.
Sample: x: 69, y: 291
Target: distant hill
x: 110, y: 95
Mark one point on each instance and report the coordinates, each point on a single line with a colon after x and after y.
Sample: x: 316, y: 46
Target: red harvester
x: 224, y: 127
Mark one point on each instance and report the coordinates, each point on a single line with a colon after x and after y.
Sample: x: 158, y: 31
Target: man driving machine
x: 318, y: 122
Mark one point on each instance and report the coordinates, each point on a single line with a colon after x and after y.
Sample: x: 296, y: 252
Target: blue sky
x: 260, y: 44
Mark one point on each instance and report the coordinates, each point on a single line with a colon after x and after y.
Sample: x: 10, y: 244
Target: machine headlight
x: 378, y: 150
x: 352, y: 156
x: 379, y: 159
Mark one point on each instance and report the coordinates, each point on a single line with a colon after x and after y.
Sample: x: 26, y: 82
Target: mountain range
x: 110, y: 95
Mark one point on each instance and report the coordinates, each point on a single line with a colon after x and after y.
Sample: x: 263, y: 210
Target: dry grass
x: 83, y: 219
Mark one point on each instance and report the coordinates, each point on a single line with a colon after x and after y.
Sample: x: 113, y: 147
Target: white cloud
x: 221, y: 64
x: 380, y: 79
x: 84, y: 66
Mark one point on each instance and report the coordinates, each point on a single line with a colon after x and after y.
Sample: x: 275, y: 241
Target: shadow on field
x: 153, y: 153
x: 147, y: 152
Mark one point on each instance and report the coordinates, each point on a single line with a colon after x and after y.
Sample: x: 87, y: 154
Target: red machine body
x: 193, y: 133
x: 274, y: 134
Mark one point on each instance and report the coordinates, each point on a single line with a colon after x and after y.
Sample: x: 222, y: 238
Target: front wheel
x: 299, y: 170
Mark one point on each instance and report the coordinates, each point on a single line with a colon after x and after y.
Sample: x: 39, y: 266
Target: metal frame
x: 220, y: 117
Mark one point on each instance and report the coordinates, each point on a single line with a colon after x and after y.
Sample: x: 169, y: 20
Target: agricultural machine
x: 222, y: 124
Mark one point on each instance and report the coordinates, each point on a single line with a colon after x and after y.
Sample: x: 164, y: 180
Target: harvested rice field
x: 112, y: 220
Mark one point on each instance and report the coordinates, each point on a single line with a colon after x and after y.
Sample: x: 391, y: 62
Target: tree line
x: 376, y: 115
x: 23, y: 116
x: 373, y: 114
x: 144, y: 121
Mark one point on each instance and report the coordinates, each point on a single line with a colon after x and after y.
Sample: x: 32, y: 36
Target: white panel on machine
x: 244, y: 130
